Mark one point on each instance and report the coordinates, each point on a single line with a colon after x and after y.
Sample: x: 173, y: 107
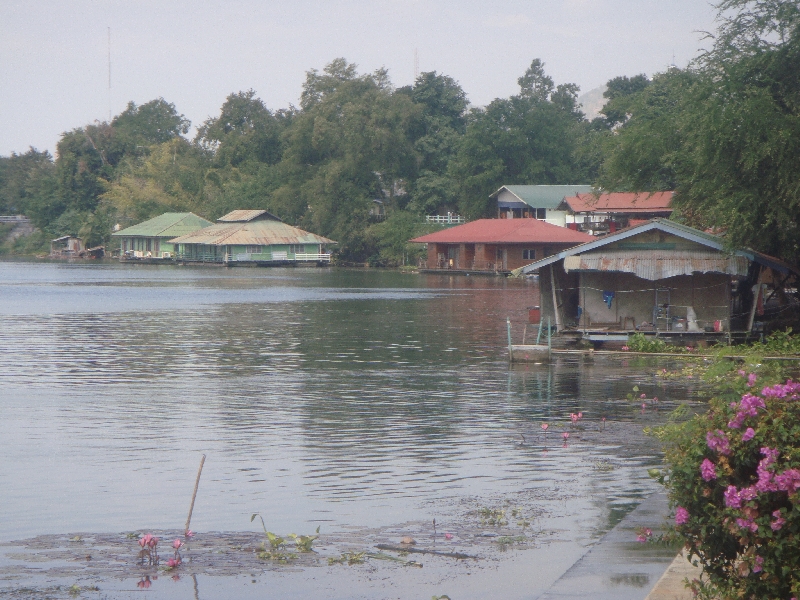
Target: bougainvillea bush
x: 733, y: 476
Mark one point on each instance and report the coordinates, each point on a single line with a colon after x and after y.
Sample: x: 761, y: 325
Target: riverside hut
x: 495, y: 245
x: 254, y: 238
x: 661, y: 278
x: 151, y: 239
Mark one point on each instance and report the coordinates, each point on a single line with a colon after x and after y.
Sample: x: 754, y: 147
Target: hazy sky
x: 54, y: 54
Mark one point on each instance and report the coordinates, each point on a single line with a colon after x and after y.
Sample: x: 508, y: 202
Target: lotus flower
x: 448, y: 536
x: 177, y: 544
x: 545, y: 426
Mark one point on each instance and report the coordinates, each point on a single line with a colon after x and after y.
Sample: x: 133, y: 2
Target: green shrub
x: 638, y: 342
x: 733, y: 476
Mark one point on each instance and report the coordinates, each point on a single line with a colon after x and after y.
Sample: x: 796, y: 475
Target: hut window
x: 254, y: 249
x: 149, y: 244
x: 296, y: 248
x: 529, y: 254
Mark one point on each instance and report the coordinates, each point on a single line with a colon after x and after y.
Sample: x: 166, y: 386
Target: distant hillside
x: 592, y: 101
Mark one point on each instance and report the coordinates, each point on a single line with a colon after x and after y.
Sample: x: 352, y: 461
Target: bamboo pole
x: 510, y: 352
x: 194, y: 494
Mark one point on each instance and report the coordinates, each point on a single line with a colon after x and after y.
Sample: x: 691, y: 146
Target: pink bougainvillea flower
x: 681, y: 516
x: 742, y: 373
x: 708, y: 470
x: 779, y: 521
x: 748, y: 435
x: 751, y: 379
x: 717, y: 440
x: 758, y: 564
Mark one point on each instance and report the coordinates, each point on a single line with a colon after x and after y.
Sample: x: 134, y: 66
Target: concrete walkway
x: 620, y: 568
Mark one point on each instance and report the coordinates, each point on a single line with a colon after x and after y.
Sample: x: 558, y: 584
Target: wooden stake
x: 194, y: 494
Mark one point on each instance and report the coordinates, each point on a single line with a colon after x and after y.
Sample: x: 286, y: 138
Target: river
x: 338, y: 399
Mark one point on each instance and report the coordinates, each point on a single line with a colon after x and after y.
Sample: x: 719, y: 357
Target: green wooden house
x: 152, y: 238
x: 253, y: 237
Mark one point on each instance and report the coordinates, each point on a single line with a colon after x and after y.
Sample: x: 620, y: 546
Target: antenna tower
x: 109, y: 74
x: 416, y: 64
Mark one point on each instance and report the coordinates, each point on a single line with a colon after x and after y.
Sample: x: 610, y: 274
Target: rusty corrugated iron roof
x: 245, y: 216
x: 505, y: 231
x: 621, y: 202
x: 251, y: 233
x: 657, y: 264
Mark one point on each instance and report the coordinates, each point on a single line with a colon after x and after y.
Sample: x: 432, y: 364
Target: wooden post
x: 510, y: 352
x: 194, y: 494
x: 524, y: 332
x: 555, y: 303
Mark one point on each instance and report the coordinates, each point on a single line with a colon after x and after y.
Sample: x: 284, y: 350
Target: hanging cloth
x: 608, y: 298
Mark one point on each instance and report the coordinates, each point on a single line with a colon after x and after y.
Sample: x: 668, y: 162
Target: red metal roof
x: 505, y: 231
x: 622, y: 202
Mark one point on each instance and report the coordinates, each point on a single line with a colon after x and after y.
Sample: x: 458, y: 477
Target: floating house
x: 542, y: 202
x: 496, y: 245
x: 660, y: 278
x: 608, y: 213
x: 252, y: 237
x: 151, y: 238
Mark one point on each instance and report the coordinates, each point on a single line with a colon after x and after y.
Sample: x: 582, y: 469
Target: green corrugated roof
x: 544, y: 196
x: 169, y: 225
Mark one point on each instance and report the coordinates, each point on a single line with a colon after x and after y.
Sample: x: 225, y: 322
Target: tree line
x: 722, y: 133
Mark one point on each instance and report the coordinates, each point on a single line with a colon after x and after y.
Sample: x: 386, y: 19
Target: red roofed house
x: 496, y: 244
x: 609, y: 212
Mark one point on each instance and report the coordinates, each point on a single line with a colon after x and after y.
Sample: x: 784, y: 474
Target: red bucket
x: 534, y: 315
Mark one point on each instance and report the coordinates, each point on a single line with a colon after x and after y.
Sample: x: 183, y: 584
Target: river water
x: 331, y: 398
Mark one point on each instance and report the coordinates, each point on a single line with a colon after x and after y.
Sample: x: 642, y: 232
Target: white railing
x: 14, y: 219
x: 312, y: 257
x: 278, y: 257
x: 445, y: 219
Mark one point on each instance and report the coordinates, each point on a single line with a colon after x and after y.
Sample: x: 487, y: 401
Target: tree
x: 724, y: 133
x: 154, y: 122
x: 530, y: 138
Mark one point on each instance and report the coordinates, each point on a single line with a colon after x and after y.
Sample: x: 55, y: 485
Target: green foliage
x: 531, y: 138
x: 350, y: 558
x: 639, y: 342
x: 739, y: 515
x: 723, y: 133
x: 304, y: 542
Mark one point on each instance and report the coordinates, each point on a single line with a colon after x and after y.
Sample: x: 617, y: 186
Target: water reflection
x: 348, y: 398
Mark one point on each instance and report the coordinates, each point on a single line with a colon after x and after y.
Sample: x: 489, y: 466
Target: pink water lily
x: 448, y: 536
x: 565, y: 435
x: 545, y: 426
x: 189, y: 533
x: 177, y: 544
